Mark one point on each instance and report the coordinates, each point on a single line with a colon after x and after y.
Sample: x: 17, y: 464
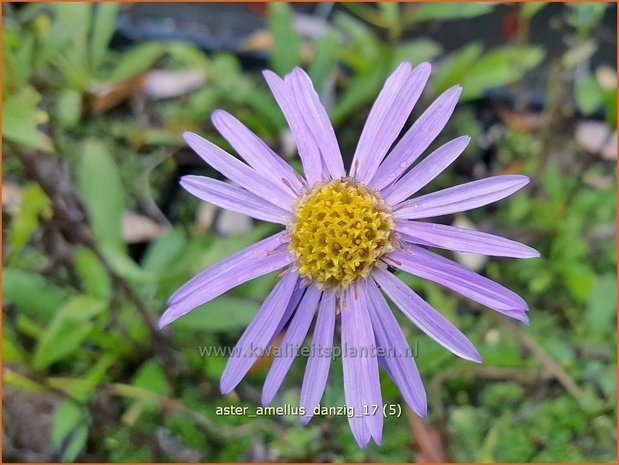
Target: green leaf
x: 286, y: 53
x: 579, y: 279
x: 455, y: 67
x: 69, y: 107
x: 67, y: 330
x: 602, y: 304
x: 150, y: 376
x: 611, y: 107
x: 499, y: 67
x: 17, y: 58
x: 32, y: 293
x: 69, y: 430
x: 136, y: 60
x: 446, y: 11
x: 578, y: 54
x: 416, y: 51
x: 21, y: 118
x: 326, y: 51
x: 391, y: 14
x: 361, y: 90
x: 125, y: 267
x: 101, y: 188
x: 70, y: 29
x: 225, y: 313
x: 102, y: 32
x: 530, y: 9
x: 589, y: 95
x: 34, y: 204
x: 12, y: 353
x: 92, y: 273
x: 163, y: 252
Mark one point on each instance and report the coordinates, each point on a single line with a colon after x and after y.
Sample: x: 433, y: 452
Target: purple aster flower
x: 341, y: 231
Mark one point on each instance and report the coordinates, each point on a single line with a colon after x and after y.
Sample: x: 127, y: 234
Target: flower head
x: 341, y: 231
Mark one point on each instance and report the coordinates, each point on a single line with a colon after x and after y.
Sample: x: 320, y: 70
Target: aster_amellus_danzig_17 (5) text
x: 343, y: 234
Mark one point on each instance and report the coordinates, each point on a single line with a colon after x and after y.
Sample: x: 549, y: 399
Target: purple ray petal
x: 291, y: 342
x: 234, y: 198
x: 398, y: 359
x: 239, y: 172
x: 462, y: 240
x: 387, y: 117
x: 461, y: 197
x: 429, y: 168
x: 309, y: 151
x: 255, y: 152
x: 319, y: 360
x: 256, y: 260
x: 456, y: 277
x: 256, y: 337
x: 425, y: 317
x: 361, y: 381
x: 292, y: 306
x: 417, y: 139
x: 317, y: 120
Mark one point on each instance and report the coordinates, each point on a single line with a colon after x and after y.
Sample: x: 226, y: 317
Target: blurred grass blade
x: 69, y: 430
x: 101, y: 189
x: 499, y: 67
x: 286, y: 53
x: 102, y: 32
x: 136, y: 60
x: 445, y: 11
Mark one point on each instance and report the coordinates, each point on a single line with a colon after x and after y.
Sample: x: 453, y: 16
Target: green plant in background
x: 79, y: 299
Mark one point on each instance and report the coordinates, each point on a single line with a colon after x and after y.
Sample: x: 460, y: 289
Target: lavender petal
x: 461, y: 197
x: 239, y: 172
x: 309, y: 151
x: 387, y: 117
x: 417, y: 139
x: 233, y: 198
x: 462, y: 240
x: 256, y: 337
x: 430, y: 167
x: 398, y: 359
x: 425, y: 317
x: 256, y: 260
x: 255, y: 152
x: 317, y: 120
x: 292, y: 340
x: 456, y: 277
x: 361, y: 380
x: 319, y: 361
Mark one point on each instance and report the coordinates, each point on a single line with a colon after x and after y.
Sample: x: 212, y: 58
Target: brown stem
x: 72, y: 218
x: 553, y: 368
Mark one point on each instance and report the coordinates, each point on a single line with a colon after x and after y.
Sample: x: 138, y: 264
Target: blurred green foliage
x: 74, y: 334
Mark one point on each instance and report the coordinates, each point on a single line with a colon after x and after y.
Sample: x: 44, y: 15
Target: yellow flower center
x: 341, y: 228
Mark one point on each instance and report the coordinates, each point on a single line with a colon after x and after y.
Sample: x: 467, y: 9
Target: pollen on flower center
x: 341, y: 228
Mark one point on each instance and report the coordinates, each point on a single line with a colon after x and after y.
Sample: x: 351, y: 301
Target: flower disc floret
x: 341, y: 229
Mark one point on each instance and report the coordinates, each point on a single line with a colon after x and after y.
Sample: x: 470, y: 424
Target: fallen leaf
x: 523, y: 121
x: 106, y: 96
x: 139, y: 228
x: 161, y: 84
x: 12, y: 194
x: 607, y: 77
x: 596, y: 138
